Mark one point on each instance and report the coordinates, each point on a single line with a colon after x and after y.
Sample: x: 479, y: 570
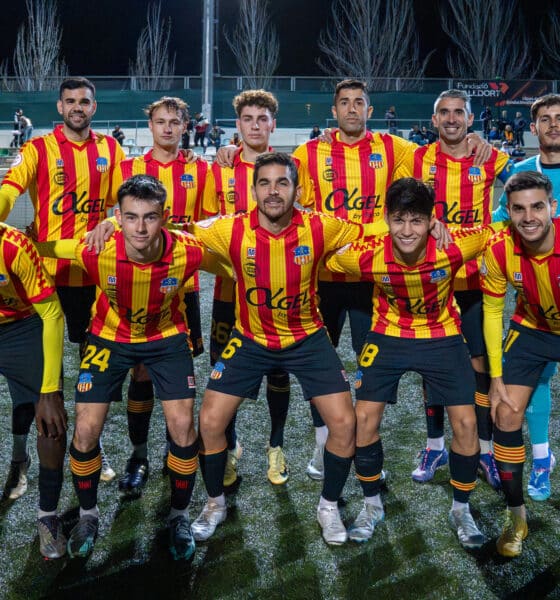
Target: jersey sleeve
x: 304, y: 178
x: 50, y: 312
x: 210, y: 203
x: 58, y: 249
x: 215, y: 234
x: 21, y: 173
x: 8, y: 196
x: 352, y: 258
x: 492, y: 325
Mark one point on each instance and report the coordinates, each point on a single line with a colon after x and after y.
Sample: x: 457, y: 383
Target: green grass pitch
x: 270, y: 546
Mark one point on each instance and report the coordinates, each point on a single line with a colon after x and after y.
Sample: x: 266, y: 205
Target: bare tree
x: 372, y: 40
x: 550, y: 43
x: 153, y: 69
x: 254, y: 43
x: 37, y: 61
x: 489, y: 40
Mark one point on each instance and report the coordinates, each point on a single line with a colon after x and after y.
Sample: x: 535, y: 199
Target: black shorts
x: 105, y: 365
x: 21, y: 358
x: 443, y: 363
x: 338, y: 299
x: 192, y: 313
x: 470, y: 304
x: 76, y: 305
x: 313, y: 361
x: 526, y: 354
x: 223, y: 318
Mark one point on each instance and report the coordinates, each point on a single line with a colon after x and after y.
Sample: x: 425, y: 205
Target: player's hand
x: 225, y: 154
x: 50, y: 415
x: 481, y: 149
x: 96, y: 238
x: 497, y: 394
x: 441, y: 234
x: 327, y: 135
x: 31, y: 232
x: 190, y: 156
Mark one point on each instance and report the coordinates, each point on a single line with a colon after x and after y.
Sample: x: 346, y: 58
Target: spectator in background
x: 391, y: 120
x: 16, y: 140
x: 215, y: 136
x: 415, y: 135
x: 519, y: 124
x: 486, y: 120
x: 517, y: 152
x: 26, y: 128
x: 315, y: 132
x: 200, y: 128
x: 508, y: 135
x: 235, y: 140
x: 505, y: 147
x: 493, y: 134
x: 118, y: 134
x: 503, y: 121
x: 429, y: 135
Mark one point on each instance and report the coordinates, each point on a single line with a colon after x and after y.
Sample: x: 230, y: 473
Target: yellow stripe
x: 183, y: 466
x: 370, y: 479
x: 511, y: 337
x: 85, y: 468
x: 464, y: 487
x: 481, y: 399
x: 210, y: 452
x: 509, y: 455
x: 136, y: 406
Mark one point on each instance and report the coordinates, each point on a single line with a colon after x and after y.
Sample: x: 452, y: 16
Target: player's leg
x: 16, y: 481
x: 278, y: 399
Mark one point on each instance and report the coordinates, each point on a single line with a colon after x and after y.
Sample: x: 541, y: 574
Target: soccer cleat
x: 181, y: 541
x: 233, y: 456
x: 277, y: 468
x: 487, y: 465
x: 334, y: 532
x: 363, y: 527
x: 205, y: 524
x: 430, y: 460
x: 515, y: 530
x: 468, y: 533
x: 52, y: 543
x: 135, y: 476
x: 16, y: 483
x: 538, y: 487
x: 316, y: 466
x: 107, y: 474
x: 82, y: 537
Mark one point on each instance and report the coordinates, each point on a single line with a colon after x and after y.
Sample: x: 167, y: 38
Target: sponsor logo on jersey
x: 474, y: 175
x: 168, y: 285
x: 112, y: 279
x: 438, y: 275
x: 85, y: 382
x: 302, y: 255
x: 102, y: 164
x: 217, y: 370
x: 187, y: 181
x: 375, y: 161
x: 4, y: 280
x: 517, y: 276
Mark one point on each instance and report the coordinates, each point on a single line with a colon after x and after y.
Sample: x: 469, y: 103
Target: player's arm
x: 352, y: 258
x: 225, y: 155
x: 480, y: 148
x: 58, y: 248
x: 8, y: 196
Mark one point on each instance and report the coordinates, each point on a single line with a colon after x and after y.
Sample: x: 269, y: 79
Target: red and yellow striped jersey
x: 69, y: 184
x: 140, y: 302
x: 276, y: 303
x: 350, y: 181
x: 412, y: 301
x: 23, y: 280
x: 463, y: 192
x: 536, y: 279
x: 190, y: 189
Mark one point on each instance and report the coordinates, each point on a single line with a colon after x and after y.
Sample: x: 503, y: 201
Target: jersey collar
x: 167, y: 253
x: 297, y: 219
x: 389, y: 254
x: 60, y: 137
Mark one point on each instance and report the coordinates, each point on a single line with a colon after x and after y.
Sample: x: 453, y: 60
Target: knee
x: 343, y: 424
x: 506, y: 419
x: 181, y: 429
x: 209, y: 422
x: 86, y: 436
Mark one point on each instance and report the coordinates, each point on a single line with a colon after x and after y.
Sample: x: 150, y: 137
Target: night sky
x: 99, y: 38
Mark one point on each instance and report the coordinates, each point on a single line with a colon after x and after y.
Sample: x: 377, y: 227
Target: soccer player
x: 256, y: 119
x: 68, y: 175
x: 463, y: 198
x: 275, y: 250
x: 137, y: 318
x: 545, y: 124
x: 31, y: 324
x: 190, y: 197
x: 527, y: 256
x: 415, y: 327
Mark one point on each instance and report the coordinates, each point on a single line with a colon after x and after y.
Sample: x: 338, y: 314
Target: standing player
x: 545, y: 124
x: 68, y: 176
x: 137, y: 318
x: 415, y: 327
x: 31, y: 324
x: 275, y: 250
x: 463, y: 198
x: 527, y: 256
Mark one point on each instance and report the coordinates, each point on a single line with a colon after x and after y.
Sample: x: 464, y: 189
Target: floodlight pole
x: 208, y: 58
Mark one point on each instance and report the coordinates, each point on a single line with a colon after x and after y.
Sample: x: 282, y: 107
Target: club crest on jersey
x: 187, y: 181
x: 217, y: 370
x: 112, y: 279
x: 375, y: 161
x: 85, y: 382
x: 437, y: 275
x: 169, y: 284
x: 517, y: 276
x: 3, y: 280
x: 302, y: 255
x: 474, y: 175
x: 102, y: 164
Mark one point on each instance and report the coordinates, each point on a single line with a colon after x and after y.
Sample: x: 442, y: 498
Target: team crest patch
x: 217, y: 370
x: 517, y: 276
x: 4, y: 280
x: 85, y: 382
x: 302, y: 255
x: 187, y: 181
x: 169, y: 284
x: 438, y: 275
x: 102, y: 164
x: 358, y: 380
x: 375, y: 161
x: 474, y: 175
x: 112, y: 279
x: 190, y: 382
